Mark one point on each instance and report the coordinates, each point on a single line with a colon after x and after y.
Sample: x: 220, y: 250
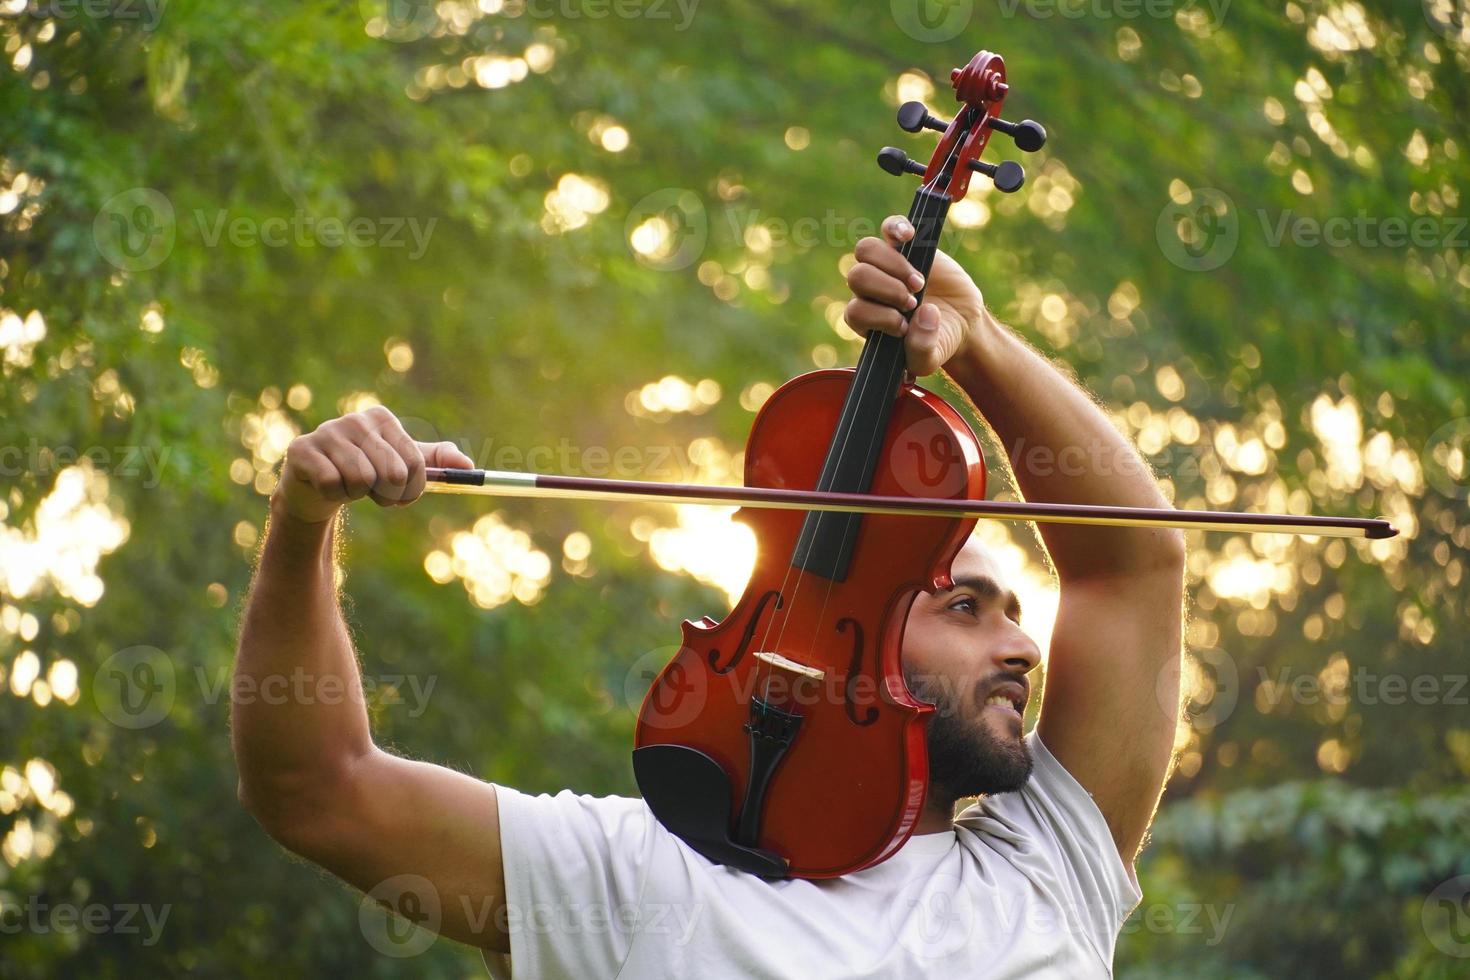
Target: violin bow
x: 509, y: 483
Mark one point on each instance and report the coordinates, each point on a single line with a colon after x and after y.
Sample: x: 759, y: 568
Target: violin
x: 793, y: 708
x: 783, y: 740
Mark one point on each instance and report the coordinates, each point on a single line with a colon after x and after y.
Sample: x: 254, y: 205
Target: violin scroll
x: 981, y: 87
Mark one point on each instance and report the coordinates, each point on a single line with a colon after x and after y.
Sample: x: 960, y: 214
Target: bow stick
x: 508, y: 483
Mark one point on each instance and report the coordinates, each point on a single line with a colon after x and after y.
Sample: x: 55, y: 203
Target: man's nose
x: 1017, y: 652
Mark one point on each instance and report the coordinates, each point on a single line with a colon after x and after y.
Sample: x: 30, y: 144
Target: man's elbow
x: 295, y: 810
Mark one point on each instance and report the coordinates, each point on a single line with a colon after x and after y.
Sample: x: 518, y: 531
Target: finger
x: 407, y: 450
x: 883, y: 255
x: 897, y: 229
x: 871, y: 283
x: 865, y: 315
x: 391, y: 483
x: 311, y: 466
x: 925, y: 342
x: 355, y: 473
x: 445, y: 454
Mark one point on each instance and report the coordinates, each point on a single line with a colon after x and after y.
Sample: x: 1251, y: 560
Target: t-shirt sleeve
x: 1052, y: 829
x: 574, y: 870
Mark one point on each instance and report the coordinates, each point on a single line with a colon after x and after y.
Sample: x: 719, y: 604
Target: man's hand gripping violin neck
x: 1111, y: 696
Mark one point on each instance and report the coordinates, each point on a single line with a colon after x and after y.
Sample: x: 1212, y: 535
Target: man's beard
x: 965, y: 757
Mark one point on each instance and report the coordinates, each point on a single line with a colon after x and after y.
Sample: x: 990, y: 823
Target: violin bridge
x: 776, y: 660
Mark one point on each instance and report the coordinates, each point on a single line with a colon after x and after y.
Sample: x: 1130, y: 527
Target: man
x: 1034, y: 880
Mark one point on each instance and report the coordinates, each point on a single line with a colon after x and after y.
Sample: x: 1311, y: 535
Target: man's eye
x: 964, y: 604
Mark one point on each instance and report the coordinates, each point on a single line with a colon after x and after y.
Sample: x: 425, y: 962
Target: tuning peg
x: 1028, y: 133
x: 1008, y: 175
x: 897, y: 162
x: 913, y: 116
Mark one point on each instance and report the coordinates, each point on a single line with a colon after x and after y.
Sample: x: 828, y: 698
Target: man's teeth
x: 1000, y: 699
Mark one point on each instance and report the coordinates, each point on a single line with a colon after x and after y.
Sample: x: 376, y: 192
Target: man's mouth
x: 1008, y: 696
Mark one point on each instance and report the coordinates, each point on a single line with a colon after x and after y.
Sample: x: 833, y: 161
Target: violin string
x: 875, y: 440
x: 877, y: 436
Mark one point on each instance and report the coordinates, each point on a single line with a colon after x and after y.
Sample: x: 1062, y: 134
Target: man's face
x: 965, y: 652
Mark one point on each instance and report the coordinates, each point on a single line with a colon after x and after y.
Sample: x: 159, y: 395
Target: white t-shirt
x: 1028, y: 884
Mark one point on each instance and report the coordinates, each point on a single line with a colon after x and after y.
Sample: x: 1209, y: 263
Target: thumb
x: 930, y: 342
x: 446, y: 455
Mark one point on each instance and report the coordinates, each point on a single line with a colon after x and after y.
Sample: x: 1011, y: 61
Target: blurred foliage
x: 1316, y: 807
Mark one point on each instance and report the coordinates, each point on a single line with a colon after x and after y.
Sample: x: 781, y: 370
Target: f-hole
x: 747, y: 636
x: 854, y: 671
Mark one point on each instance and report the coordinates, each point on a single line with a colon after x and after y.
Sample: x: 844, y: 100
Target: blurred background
x: 590, y: 237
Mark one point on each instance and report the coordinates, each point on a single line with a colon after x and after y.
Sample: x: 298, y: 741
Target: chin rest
x: 690, y: 794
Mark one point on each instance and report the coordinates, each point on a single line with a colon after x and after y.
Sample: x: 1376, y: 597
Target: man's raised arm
x: 309, y: 770
x: 1112, y: 678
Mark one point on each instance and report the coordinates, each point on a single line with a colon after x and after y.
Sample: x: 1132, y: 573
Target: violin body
x: 783, y: 740
x: 850, y: 785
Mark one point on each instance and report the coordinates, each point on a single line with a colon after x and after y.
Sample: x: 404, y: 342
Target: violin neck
x: 827, y: 539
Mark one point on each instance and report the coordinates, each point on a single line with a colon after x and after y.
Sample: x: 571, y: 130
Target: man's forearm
x: 1063, y: 449
x: 298, y: 713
